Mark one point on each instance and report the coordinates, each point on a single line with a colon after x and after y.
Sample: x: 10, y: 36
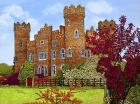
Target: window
x: 69, y: 54
x: 53, y: 43
x: 83, y: 53
x: 68, y: 22
x: 76, y: 33
x: 42, y: 42
x: 20, y: 44
x: 42, y: 70
x: 53, y: 54
x: 42, y: 55
x: 89, y: 53
x: 62, y: 66
x: 53, y: 70
x: 30, y: 57
x: 62, y: 53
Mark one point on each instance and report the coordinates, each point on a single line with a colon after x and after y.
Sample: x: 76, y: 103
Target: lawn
x: 20, y: 95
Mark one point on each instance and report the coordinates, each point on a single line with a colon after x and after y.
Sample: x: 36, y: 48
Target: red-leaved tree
x: 120, y: 44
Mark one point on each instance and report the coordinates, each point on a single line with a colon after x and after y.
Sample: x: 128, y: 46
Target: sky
x: 40, y: 12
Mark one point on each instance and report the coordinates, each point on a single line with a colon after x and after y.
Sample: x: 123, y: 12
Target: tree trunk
x: 26, y: 82
x: 33, y: 82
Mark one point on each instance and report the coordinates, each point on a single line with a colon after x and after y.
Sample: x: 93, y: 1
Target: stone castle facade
x: 51, y: 49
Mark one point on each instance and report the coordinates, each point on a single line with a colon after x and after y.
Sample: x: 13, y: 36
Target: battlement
x: 70, y: 10
x: 106, y: 24
x: 45, y: 28
x: 21, y: 26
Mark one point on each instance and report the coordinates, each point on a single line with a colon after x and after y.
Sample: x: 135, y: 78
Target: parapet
x: 45, y: 28
x: 22, y: 26
x: 69, y: 10
x: 106, y: 24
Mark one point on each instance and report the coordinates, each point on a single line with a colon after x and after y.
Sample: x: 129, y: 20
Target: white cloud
x: 99, y: 7
x: 13, y: 13
x: 53, y: 9
x: 8, y: 16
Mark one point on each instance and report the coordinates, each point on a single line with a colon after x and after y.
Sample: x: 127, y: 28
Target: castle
x: 51, y: 49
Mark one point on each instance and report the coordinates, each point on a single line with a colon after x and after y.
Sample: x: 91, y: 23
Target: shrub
x: 55, y: 96
x: 85, y: 70
x: 134, y: 95
x: 12, y: 80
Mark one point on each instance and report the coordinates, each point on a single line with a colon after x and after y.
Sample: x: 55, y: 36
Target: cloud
x: 99, y: 7
x: 13, y: 13
x: 9, y: 15
x: 53, y: 9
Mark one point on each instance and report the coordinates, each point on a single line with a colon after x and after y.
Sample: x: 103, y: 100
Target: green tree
x: 5, y: 69
x: 133, y: 96
x: 27, y: 70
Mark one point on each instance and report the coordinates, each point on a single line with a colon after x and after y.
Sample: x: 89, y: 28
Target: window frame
x: 42, y: 42
x: 53, y: 69
x: 69, y: 52
x: 76, y: 33
x: 53, y: 54
x: 44, y: 55
x: 83, y: 52
x: 62, y: 53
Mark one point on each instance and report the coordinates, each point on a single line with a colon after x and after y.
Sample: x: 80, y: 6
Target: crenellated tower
x: 74, y: 33
x: 22, y: 37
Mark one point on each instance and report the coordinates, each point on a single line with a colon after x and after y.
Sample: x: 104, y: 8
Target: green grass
x: 20, y: 95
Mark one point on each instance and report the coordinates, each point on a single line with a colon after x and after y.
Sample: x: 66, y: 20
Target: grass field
x: 20, y: 95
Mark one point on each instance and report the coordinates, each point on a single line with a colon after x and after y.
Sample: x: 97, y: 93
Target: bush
x: 85, y: 70
x: 12, y: 80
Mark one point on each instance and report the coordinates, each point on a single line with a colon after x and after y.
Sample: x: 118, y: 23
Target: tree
x: 133, y: 96
x: 26, y: 71
x: 5, y: 69
x: 125, y: 40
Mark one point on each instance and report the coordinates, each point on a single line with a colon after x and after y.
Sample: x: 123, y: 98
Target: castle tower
x: 74, y: 34
x: 22, y: 37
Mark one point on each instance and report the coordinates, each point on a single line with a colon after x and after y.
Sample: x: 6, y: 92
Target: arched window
x: 89, y: 53
x: 69, y: 54
x: 53, y: 54
x: 42, y: 70
x: 76, y: 33
x: 62, y: 53
x: 83, y: 53
x: 53, y: 69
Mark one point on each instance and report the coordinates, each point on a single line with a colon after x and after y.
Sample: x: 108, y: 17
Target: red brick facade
x: 50, y: 49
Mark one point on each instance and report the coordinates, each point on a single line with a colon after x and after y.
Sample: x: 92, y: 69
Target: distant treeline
x: 5, y: 69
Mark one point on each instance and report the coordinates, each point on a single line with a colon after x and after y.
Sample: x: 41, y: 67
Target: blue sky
x: 39, y: 12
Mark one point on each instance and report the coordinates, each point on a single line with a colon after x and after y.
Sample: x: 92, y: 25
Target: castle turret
x: 22, y: 37
x: 74, y: 33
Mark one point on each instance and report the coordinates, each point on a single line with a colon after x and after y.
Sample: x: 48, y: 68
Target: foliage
x: 133, y: 95
x: 27, y: 70
x: 55, y: 96
x: 122, y: 39
x: 12, y: 80
x: 5, y: 69
x: 85, y: 70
